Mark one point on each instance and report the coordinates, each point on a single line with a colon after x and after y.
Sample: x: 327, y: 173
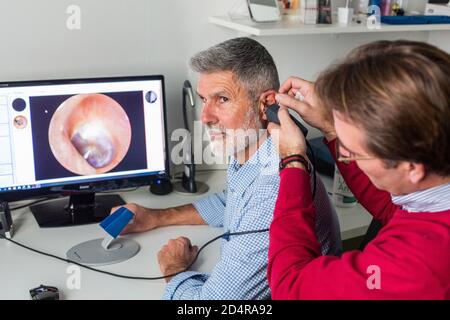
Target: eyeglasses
x: 350, y: 157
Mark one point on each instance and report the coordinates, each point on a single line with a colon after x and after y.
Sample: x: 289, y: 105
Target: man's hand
x: 309, y: 107
x: 176, y: 256
x: 144, y: 219
x: 287, y: 136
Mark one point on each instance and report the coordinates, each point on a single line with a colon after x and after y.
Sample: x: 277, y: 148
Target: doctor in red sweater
x: 385, y: 115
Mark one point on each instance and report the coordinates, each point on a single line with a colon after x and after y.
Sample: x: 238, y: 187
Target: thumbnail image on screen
x: 88, y: 134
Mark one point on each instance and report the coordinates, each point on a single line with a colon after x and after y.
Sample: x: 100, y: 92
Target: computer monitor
x: 78, y: 137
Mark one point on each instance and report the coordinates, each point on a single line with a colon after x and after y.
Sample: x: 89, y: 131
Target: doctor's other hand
x: 299, y: 95
x: 176, y: 256
x: 144, y: 219
x: 287, y: 136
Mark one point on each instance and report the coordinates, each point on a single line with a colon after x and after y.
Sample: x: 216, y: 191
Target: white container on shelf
x: 309, y: 11
x: 342, y: 196
x: 437, y: 9
x: 345, y: 16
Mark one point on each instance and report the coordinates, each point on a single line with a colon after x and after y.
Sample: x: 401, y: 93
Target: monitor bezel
x: 94, y: 186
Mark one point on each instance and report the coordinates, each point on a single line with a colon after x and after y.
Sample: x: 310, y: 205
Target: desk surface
x: 21, y: 270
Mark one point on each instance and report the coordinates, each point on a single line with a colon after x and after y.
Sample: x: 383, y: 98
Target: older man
x: 237, y: 80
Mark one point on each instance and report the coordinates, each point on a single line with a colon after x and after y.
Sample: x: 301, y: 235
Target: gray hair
x: 249, y: 61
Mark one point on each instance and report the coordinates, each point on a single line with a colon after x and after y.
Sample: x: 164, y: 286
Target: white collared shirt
x: 434, y: 199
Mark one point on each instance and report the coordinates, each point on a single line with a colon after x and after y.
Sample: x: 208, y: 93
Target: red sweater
x: 409, y: 258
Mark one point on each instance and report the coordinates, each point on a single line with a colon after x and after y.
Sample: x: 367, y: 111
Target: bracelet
x: 295, y: 158
x: 297, y: 155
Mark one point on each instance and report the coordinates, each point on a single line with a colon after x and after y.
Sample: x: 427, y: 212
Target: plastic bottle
x: 386, y: 7
x: 342, y: 196
x: 375, y: 3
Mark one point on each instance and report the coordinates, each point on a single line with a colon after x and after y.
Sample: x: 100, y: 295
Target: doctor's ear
x: 266, y: 99
x: 416, y: 172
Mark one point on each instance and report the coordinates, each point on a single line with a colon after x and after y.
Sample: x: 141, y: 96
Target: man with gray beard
x: 238, y: 79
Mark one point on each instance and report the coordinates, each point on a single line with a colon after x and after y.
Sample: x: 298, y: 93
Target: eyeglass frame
x: 344, y: 159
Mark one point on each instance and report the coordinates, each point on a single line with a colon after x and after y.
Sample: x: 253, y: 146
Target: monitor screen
x: 80, y: 134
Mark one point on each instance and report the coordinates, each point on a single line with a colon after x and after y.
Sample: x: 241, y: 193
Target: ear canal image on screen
x: 89, y: 134
x: 94, y: 145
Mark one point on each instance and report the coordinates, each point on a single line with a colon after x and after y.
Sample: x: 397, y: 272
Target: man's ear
x: 416, y: 172
x: 266, y: 99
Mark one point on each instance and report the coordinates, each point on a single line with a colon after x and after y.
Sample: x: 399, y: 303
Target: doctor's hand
x: 287, y: 136
x: 299, y: 95
x: 176, y: 256
x: 144, y: 219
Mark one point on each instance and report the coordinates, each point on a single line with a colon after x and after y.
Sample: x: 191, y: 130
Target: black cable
x: 225, y: 235
x: 313, y: 161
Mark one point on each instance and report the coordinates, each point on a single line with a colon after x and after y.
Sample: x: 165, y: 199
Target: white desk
x: 21, y: 270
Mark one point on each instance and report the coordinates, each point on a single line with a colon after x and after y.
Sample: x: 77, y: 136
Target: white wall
x: 440, y: 39
x: 133, y: 37
x: 130, y: 37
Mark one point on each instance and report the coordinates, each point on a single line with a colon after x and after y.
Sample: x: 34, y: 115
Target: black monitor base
x: 75, y: 210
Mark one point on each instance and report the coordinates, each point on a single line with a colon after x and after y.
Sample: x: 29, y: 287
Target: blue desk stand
x: 110, y: 249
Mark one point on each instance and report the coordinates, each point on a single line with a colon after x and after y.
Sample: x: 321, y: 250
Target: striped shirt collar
x: 263, y: 162
x: 435, y: 199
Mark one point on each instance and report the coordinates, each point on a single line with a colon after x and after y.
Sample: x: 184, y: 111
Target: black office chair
x: 374, y: 227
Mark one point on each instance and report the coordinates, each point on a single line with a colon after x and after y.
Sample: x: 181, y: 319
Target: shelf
x: 290, y: 27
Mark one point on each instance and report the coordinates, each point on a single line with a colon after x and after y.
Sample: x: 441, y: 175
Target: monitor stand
x: 77, y: 209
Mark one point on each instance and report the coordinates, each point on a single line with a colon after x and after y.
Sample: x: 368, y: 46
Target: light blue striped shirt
x: 248, y: 204
x: 434, y: 199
